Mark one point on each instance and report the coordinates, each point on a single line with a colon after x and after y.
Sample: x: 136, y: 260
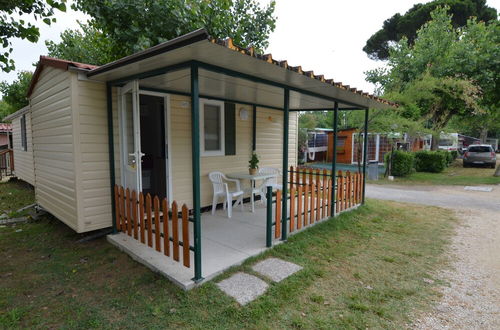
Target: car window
x: 480, y: 149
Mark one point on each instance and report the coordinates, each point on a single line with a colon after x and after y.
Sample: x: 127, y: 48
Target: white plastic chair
x: 269, y: 182
x: 221, y: 189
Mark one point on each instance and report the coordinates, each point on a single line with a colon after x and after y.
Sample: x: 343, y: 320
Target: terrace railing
x: 310, y: 199
x: 6, y: 163
x: 157, y: 224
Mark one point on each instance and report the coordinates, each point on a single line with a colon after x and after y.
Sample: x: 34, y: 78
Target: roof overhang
x: 55, y: 63
x: 18, y: 113
x: 229, y: 72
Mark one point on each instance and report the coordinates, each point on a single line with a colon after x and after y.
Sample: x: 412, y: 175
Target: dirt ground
x: 471, y: 296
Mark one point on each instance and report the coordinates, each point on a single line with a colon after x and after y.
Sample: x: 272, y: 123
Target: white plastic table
x: 252, y: 178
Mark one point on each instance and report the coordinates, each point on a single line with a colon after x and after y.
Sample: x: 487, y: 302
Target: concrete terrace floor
x: 225, y: 242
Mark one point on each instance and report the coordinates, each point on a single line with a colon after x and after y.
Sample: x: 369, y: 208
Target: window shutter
x: 230, y: 128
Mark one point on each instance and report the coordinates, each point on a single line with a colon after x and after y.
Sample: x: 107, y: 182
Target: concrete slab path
x: 243, y: 287
x: 276, y: 269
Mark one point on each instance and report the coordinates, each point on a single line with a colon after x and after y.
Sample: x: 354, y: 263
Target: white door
x: 131, y: 136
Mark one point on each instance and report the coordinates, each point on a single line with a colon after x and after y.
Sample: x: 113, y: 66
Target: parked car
x: 480, y: 154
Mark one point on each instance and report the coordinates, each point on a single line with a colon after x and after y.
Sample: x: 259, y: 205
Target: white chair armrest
x: 236, y: 181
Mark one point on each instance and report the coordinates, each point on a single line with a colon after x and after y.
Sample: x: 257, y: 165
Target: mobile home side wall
x: 23, y: 159
x: 53, y: 145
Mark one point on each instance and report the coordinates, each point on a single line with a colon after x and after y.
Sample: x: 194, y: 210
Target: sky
x: 326, y: 36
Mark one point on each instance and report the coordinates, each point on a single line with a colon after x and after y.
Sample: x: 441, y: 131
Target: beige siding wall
x: 92, y: 156
x: 53, y: 145
x: 269, y: 147
x: 23, y: 160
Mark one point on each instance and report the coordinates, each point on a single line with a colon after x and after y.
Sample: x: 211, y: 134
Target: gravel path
x: 472, y: 299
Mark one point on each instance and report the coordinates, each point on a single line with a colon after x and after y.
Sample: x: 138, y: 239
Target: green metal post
x: 334, y: 158
x: 195, y: 149
x: 254, y: 128
x: 269, y: 216
x: 111, y: 151
x: 284, y: 211
x: 365, y: 154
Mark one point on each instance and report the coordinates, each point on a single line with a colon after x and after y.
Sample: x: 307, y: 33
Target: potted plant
x: 253, y: 164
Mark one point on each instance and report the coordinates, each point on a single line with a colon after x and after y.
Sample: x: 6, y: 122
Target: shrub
x: 402, y: 162
x: 454, y: 154
x: 431, y: 161
x: 448, y: 156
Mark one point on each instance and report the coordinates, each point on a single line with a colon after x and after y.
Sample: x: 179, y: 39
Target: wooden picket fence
x: 6, y: 162
x: 310, y: 195
x: 154, y: 223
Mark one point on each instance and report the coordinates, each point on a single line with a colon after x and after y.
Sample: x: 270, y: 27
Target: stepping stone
x: 276, y: 269
x: 243, y: 287
x: 473, y: 188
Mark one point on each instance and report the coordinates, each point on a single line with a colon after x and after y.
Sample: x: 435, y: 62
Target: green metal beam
x: 327, y: 109
x: 195, y: 150
x: 284, y: 212
x: 334, y: 158
x: 269, y: 216
x: 365, y: 154
x: 205, y: 96
x: 254, y: 128
x: 111, y: 153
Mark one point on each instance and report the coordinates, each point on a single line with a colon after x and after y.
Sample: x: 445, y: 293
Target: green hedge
x: 454, y: 154
x: 402, y: 162
x: 431, y: 161
x: 448, y: 156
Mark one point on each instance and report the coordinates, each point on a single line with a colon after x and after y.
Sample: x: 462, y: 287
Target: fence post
x: 269, y: 216
x: 286, y: 123
x: 365, y: 154
x: 195, y: 160
x: 334, y: 159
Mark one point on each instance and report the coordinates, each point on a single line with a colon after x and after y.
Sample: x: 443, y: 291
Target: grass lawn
x: 455, y: 174
x: 364, y: 269
x: 13, y: 196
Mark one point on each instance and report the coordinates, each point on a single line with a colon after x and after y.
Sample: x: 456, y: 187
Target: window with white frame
x: 212, y: 127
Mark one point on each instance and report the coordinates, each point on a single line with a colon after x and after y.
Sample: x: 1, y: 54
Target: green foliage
x: 5, y: 109
x: 316, y: 119
x: 14, y: 94
x: 87, y: 45
x: 399, y: 26
x: 445, y: 73
x: 402, y: 162
x: 454, y: 155
x: 448, y: 156
x: 254, y: 161
x: 117, y: 28
x: 437, y: 99
x: 12, y: 24
x: 431, y: 161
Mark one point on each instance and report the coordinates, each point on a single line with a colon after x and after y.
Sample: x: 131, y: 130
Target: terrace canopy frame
x: 200, y: 79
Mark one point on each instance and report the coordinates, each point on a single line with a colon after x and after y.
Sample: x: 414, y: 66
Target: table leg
x: 252, y: 187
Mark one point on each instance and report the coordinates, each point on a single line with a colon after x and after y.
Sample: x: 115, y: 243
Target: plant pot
x: 252, y: 171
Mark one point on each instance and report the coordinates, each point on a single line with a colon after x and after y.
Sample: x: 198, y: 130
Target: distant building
x: 5, y: 136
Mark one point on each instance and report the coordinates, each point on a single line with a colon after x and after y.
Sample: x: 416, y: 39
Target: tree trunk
x: 497, y: 171
x: 435, y: 141
x: 483, y: 135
